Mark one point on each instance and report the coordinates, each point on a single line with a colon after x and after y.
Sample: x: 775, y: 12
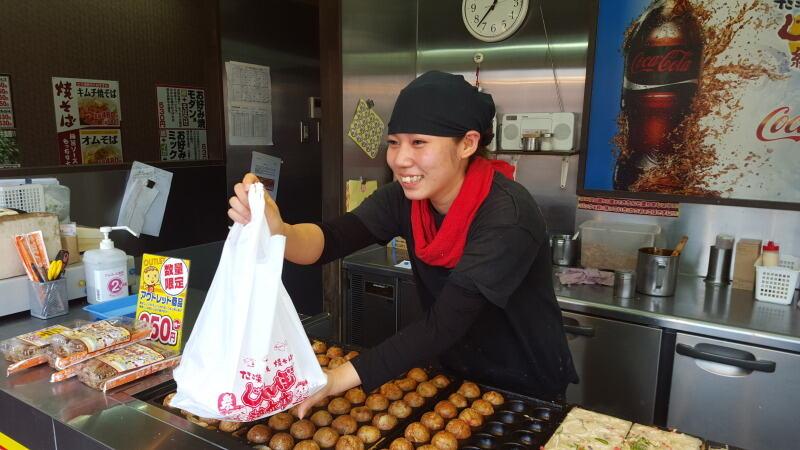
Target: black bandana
x: 442, y: 104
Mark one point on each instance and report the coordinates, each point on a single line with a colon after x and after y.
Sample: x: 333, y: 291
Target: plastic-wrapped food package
x: 79, y: 344
x: 126, y: 364
x: 56, y: 201
x: 30, y: 349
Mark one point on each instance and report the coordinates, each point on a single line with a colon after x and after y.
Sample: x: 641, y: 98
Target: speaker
x: 513, y: 126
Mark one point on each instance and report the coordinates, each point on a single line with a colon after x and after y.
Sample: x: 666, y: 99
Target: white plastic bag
x: 248, y: 356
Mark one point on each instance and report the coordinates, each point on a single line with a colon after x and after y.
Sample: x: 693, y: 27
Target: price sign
x: 162, y: 297
x: 165, y: 330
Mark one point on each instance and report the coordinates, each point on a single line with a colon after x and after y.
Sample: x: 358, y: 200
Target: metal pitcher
x: 564, y: 249
x: 656, y: 271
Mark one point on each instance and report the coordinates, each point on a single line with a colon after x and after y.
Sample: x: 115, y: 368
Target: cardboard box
x: 70, y: 244
x: 744, y: 271
x: 88, y: 238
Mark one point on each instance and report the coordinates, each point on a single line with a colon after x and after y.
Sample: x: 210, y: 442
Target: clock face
x: 493, y: 20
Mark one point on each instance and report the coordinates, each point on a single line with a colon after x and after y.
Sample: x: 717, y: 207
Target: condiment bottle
x: 770, y: 255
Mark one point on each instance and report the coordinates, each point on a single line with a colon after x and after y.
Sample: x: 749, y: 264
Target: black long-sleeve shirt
x: 493, y: 318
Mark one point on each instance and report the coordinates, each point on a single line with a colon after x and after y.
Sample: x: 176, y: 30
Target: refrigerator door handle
x: 725, y: 355
x: 572, y: 326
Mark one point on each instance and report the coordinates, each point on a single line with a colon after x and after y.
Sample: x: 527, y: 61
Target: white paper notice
x: 145, y: 199
x: 249, y: 104
x: 268, y: 169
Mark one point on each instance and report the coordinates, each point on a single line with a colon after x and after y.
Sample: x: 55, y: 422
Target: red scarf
x: 444, y: 247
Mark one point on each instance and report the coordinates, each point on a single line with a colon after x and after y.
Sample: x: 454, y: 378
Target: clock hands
x: 491, y: 8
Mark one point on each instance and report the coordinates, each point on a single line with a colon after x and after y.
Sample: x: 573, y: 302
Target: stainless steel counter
x: 716, y: 311
x: 696, y: 307
x: 45, y: 415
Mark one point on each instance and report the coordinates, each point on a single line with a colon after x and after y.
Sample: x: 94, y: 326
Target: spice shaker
x: 624, y: 284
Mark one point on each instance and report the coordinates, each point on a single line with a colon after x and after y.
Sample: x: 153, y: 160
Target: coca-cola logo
x: 675, y: 60
x: 779, y: 124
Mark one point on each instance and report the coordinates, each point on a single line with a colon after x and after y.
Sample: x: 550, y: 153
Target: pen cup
x: 48, y: 299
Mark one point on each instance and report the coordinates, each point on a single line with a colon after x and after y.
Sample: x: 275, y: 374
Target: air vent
x: 356, y: 308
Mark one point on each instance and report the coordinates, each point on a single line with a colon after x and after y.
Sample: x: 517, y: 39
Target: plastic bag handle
x: 255, y: 197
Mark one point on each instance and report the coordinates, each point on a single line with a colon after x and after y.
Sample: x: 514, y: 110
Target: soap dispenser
x: 106, y: 269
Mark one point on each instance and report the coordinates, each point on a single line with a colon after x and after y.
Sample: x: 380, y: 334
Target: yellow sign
x: 162, y: 297
x: 6, y: 443
x: 357, y: 191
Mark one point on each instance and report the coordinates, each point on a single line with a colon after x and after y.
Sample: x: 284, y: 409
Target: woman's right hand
x: 240, y: 208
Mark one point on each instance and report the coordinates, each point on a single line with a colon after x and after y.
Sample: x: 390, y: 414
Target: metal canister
x: 719, y: 265
x: 564, y: 249
x: 624, y: 284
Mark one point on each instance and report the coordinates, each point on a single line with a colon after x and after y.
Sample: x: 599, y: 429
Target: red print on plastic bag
x: 226, y: 403
x: 284, y: 391
x: 281, y: 346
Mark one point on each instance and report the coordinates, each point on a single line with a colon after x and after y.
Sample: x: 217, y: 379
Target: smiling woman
x: 430, y: 167
x: 477, y: 245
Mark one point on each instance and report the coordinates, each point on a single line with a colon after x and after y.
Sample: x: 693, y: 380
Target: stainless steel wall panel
x: 382, y: 53
x: 519, y: 75
x: 702, y: 223
x: 542, y: 176
x: 516, y: 71
x: 378, y: 59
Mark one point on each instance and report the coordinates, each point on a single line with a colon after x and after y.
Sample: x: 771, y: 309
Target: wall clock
x: 493, y: 20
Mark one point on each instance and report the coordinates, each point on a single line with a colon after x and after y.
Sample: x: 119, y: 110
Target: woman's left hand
x: 239, y: 210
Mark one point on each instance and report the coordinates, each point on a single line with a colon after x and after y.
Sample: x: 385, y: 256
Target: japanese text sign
x: 88, y: 117
x: 182, y: 122
x: 162, y: 297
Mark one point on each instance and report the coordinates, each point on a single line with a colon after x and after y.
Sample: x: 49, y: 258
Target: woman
x: 477, y: 245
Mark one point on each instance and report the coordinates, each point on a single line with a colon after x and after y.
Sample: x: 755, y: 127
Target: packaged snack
x: 65, y: 374
x: 29, y: 349
x: 126, y: 364
x: 93, y: 339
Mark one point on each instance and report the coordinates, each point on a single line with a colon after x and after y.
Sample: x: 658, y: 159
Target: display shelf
x: 533, y: 153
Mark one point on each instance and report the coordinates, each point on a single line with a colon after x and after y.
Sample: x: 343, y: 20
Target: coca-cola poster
x: 694, y: 100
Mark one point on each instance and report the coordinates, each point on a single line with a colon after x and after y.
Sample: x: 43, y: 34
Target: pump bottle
x: 106, y: 269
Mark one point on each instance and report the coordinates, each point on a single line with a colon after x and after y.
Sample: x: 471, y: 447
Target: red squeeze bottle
x: 770, y: 255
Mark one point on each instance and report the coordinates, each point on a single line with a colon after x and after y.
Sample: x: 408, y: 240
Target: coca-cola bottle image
x: 662, y: 65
